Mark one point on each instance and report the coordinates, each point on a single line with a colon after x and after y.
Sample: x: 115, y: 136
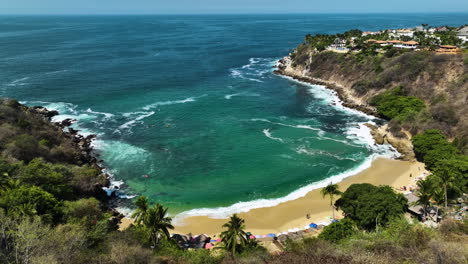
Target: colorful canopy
x: 208, y: 245
x: 313, y: 225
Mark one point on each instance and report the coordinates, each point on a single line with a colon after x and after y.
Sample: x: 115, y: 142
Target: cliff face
x: 440, y: 80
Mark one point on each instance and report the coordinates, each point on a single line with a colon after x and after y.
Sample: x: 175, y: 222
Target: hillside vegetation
x: 52, y: 211
x: 431, y: 88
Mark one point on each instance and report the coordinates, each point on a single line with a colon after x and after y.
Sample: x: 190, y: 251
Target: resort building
x: 366, y: 33
x: 396, y: 43
x: 441, y: 29
x: 338, y: 45
x: 463, y: 34
x: 408, y: 45
x: 448, y: 49
x: 401, y: 32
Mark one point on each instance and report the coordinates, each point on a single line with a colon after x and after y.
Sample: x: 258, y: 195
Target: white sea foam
x: 106, y: 115
x: 281, y: 124
x: 314, y: 152
x: 122, y: 153
x: 183, y: 101
x: 255, y: 70
x: 136, y: 120
x: 18, y: 82
x: 242, y: 207
x: 329, y: 97
x: 229, y: 96
x: 267, y: 133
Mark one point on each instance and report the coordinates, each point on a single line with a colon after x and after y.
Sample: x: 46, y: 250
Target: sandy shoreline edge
x: 292, y: 214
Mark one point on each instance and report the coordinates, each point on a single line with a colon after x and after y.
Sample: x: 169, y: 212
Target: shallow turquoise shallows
x: 192, y: 103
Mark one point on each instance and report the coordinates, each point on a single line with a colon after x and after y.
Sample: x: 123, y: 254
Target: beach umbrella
x: 208, y: 245
x: 313, y: 225
x: 252, y: 237
x: 271, y: 235
x: 334, y: 221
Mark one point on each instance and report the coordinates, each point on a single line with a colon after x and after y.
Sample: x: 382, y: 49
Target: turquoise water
x: 192, y: 102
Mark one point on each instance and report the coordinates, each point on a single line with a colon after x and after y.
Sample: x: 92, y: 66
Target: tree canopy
x: 370, y: 206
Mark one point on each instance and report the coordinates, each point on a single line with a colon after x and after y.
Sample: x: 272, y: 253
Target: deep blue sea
x: 191, y: 101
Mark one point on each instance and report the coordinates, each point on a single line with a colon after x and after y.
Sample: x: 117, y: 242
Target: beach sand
x: 292, y: 214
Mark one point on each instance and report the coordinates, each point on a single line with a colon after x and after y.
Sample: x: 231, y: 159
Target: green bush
x: 432, y: 146
x: 84, y: 211
x: 338, y: 230
x: 371, y: 206
x: 52, y: 178
x: 30, y: 200
x: 393, y: 104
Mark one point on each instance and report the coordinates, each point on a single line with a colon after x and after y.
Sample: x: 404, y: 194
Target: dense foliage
x: 371, y: 206
x: 444, y: 159
x: 338, y: 230
x: 393, y: 104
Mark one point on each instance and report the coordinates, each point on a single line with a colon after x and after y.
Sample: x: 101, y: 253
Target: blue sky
x: 227, y: 6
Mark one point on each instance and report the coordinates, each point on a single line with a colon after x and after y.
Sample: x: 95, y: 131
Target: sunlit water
x: 191, y: 101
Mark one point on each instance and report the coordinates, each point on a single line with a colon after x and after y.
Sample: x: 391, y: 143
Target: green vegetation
x: 331, y: 190
x: 450, y: 168
x: 371, y: 206
x: 399, y: 242
x: 234, y: 238
x: 393, y: 104
x: 51, y: 211
x: 338, y: 231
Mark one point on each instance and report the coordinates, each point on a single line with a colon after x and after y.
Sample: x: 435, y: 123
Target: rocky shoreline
x: 87, y: 155
x: 381, y: 134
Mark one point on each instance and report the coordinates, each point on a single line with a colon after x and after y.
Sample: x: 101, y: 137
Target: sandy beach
x: 292, y: 214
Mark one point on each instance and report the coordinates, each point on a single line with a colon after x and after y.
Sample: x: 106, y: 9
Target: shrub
x: 338, y: 230
x: 51, y: 178
x: 24, y: 147
x: 84, y: 211
x: 15, y: 200
x: 431, y: 146
x: 370, y: 206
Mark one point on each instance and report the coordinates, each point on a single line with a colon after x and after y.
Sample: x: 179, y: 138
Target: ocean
x: 186, y: 108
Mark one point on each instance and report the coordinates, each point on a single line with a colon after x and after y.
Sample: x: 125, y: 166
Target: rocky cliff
x: 440, y: 80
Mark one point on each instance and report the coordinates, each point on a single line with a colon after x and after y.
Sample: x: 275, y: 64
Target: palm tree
x: 331, y: 190
x: 142, y: 208
x: 234, y: 238
x: 157, y: 223
x: 425, y: 192
x: 447, y: 175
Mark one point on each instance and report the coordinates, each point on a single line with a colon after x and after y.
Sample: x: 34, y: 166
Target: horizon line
x: 233, y: 13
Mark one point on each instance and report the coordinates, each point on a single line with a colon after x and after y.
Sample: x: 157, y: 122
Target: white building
x: 463, y: 34
x: 401, y: 32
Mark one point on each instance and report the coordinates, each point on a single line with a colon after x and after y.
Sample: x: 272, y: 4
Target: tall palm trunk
x: 445, y: 192
x: 331, y: 205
